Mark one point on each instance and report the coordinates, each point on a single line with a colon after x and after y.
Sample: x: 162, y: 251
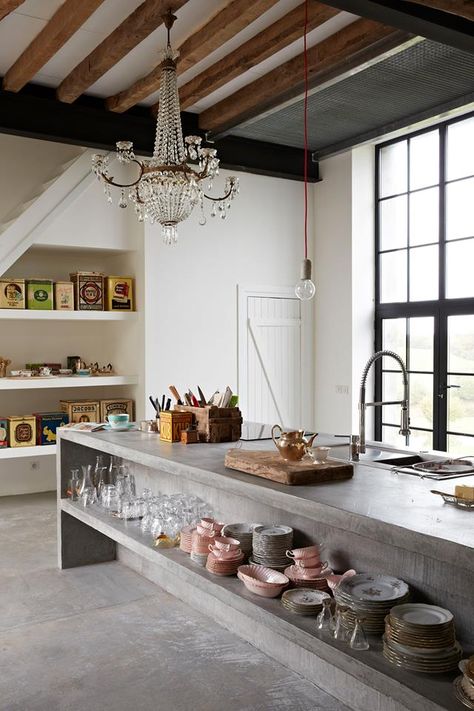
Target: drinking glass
x: 74, y: 484
x: 86, y: 482
x: 99, y: 465
x: 340, y: 631
x: 358, y: 638
x: 325, y: 618
x: 88, y: 496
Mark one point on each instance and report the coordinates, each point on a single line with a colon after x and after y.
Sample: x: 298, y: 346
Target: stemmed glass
x: 359, y: 640
x: 325, y: 619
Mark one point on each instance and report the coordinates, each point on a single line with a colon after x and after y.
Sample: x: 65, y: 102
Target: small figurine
x: 4, y: 362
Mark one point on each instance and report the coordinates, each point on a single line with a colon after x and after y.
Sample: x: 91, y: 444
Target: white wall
x: 191, y: 289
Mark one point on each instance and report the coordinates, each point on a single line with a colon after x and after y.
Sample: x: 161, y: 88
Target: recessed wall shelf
x: 17, y: 452
x: 74, y: 381
x: 32, y: 315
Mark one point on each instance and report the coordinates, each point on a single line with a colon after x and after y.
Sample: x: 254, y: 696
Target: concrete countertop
x: 396, y: 508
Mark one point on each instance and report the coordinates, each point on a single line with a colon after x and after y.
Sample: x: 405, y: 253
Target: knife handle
x: 175, y: 394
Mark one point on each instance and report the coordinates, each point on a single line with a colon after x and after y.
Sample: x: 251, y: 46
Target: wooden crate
x: 215, y: 424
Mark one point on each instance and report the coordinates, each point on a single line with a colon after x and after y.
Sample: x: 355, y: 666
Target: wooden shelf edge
x: 20, y: 452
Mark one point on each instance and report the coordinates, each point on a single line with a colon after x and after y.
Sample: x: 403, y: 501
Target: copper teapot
x: 292, y: 445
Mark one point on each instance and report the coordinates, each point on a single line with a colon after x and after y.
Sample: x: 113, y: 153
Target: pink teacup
x: 205, y: 531
x: 225, y: 555
x: 306, y: 552
x: 310, y: 573
x: 308, y: 562
x: 224, y: 543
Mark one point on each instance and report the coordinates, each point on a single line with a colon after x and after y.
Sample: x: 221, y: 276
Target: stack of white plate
x: 421, y: 638
x: 304, y: 601
x: 464, y: 685
x: 269, y: 544
x: 243, y: 532
x: 370, y: 598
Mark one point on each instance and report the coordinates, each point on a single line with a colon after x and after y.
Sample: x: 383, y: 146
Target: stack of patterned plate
x: 186, y: 538
x: 229, y: 566
x: 270, y: 544
x: 370, y: 598
x: 464, y: 685
x: 243, y: 532
x: 421, y: 638
x: 304, y: 601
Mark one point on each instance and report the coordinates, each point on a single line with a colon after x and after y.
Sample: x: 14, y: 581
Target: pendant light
x: 305, y: 288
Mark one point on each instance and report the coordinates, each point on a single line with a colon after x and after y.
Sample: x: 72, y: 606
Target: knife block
x: 215, y: 424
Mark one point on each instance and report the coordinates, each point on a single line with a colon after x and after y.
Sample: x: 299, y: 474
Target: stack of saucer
x: 370, y: 597
x: 308, y: 571
x: 186, y: 538
x: 464, y: 685
x: 421, y: 638
x: 304, y: 601
x: 225, y: 556
x: 269, y: 544
x: 243, y: 532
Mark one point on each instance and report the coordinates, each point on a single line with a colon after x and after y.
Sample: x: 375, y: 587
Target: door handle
x: 445, y: 387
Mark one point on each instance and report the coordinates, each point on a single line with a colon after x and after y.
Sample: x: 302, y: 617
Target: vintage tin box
x: 12, y: 293
x: 118, y: 293
x: 81, y: 410
x: 39, y: 294
x: 117, y: 406
x: 64, y: 296
x: 88, y: 291
x: 47, y: 424
x: 3, y: 432
x: 22, y: 431
x: 172, y: 423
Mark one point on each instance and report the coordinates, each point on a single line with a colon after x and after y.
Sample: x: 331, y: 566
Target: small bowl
x: 65, y: 371
x: 83, y: 371
x: 262, y: 581
x: 320, y: 454
x: 26, y: 373
x: 15, y: 373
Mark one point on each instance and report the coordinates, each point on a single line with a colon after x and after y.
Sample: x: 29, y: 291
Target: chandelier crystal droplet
x: 171, y: 183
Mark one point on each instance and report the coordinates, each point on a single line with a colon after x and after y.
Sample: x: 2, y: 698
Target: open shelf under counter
x: 19, y: 452
x: 32, y: 315
x: 74, y: 381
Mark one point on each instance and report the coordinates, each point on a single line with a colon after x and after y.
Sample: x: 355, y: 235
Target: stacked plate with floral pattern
x: 464, y: 685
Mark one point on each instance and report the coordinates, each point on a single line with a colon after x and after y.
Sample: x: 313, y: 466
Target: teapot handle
x: 273, y: 436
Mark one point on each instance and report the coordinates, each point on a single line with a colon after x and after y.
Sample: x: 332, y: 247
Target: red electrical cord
x: 305, y: 153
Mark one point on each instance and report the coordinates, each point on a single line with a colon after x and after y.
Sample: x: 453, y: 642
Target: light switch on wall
x: 342, y: 389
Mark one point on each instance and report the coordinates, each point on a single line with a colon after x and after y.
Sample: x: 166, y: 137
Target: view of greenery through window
x: 425, y: 284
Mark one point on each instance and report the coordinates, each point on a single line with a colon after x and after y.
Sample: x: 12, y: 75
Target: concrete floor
x: 102, y: 637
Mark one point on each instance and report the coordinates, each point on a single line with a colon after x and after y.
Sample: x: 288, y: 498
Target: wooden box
x: 46, y: 425
x: 3, y: 432
x: 81, y: 410
x: 12, y: 293
x: 172, y: 423
x: 39, y: 294
x: 215, y: 424
x: 88, y: 290
x: 64, y: 296
x: 118, y: 293
x: 22, y: 431
x: 117, y: 406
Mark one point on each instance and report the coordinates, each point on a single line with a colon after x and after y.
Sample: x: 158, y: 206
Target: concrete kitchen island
x: 378, y: 521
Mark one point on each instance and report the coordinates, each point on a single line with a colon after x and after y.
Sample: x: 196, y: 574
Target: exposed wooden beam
x: 63, y: 24
x: 7, y: 6
x: 219, y: 29
x: 345, y: 50
x: 271, y: 40
x: 462, y: 8
x: 447, y: 28
x: 144, y: 20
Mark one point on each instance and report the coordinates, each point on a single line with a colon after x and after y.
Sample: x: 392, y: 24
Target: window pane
x: 393, y: 223
x: 421, y: 400
x: 424, y: 216
x: 460, y: 445
x: 392, y: 387
x: 390, y: 436
x: 393, y: 169
x: 424, y: 160
x: 424, y: 273
x: 460, y: 209
x: 393, y: 276
x: 420, y: 440
x: 460, y: 149
x: 461, y: 404
x: 394, y: 339
x: 459, y: 269
x: 421, y: 343
x: 461, y: 344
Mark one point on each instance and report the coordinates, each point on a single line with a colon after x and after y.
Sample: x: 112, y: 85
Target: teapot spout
x: 311, y: 439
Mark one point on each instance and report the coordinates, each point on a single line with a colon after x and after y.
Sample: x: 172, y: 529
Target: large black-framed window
x: 425, y: 283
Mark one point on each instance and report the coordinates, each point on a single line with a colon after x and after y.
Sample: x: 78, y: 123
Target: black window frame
x: 439, y: 309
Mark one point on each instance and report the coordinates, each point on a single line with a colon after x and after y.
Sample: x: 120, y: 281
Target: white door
x: 274, y: 357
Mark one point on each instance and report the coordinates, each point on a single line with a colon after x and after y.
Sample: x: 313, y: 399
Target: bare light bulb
x: 305, y: 288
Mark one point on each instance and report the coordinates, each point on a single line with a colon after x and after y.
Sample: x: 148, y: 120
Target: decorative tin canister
x: 22, y: 431
x: 47, y: 424
x: 172, y: 423
x: 3, y: 432
x: 81, y: 410
x: 12, y: 293
x: 116, y: 406
x: 39, y: 294
x: 88, y: 290
x: 64, y: 296
x: 118, y: 293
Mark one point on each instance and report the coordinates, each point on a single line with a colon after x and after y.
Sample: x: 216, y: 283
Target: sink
x: 377, y: 455
x: 401, y: 460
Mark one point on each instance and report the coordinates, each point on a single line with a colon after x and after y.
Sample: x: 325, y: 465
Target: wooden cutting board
x: 271, y: 465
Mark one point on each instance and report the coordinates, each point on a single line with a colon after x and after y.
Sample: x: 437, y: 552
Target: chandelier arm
x: 110, y: 180
x: 219, y: 199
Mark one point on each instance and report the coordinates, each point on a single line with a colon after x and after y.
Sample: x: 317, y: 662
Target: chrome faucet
x: 405, y: 417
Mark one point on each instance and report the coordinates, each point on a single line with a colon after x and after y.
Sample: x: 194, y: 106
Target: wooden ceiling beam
x: 226, y: 23
x: 67, y: 19
x: 271, y: 40
x: 461, y: 8
x: 7, y: 6
x: 133, y: 30
x: 342, y: 52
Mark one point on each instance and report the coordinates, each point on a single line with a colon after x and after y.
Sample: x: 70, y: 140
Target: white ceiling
x: 20, y: 27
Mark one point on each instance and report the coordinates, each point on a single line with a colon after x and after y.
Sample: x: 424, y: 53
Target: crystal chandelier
x: 170, y: 184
